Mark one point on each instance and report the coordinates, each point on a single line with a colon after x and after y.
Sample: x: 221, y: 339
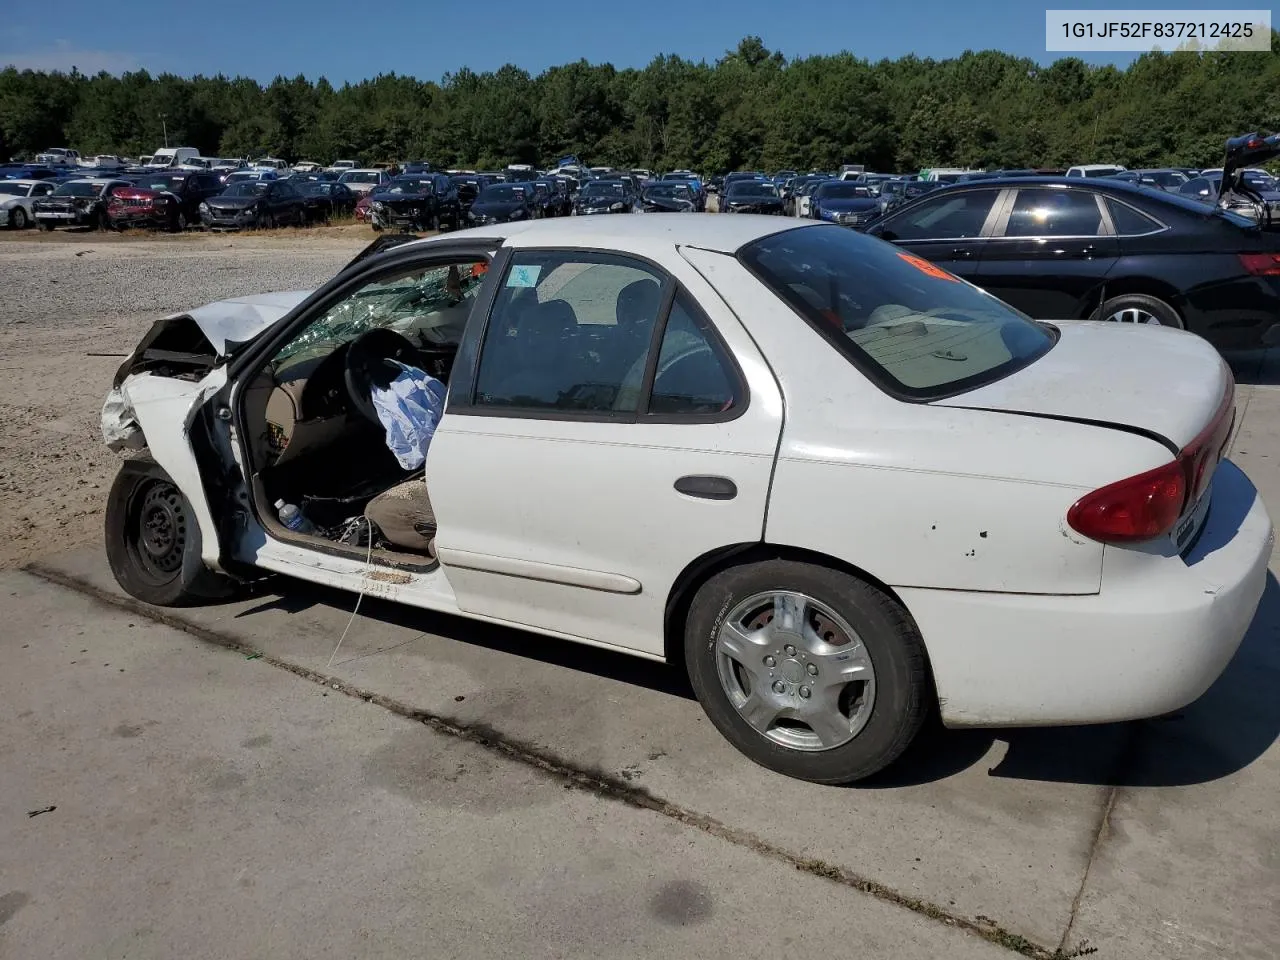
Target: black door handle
x: 707, y: 488
x: 962, y: 253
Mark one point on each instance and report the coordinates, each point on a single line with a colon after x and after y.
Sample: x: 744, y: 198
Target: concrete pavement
x: 1156, y: 839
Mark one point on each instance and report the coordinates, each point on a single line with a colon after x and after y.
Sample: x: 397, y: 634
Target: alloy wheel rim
x: 795, y: 671
x: 1134, y: 315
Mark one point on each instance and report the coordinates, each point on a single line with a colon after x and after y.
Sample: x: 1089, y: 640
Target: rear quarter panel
x: 920, y: 495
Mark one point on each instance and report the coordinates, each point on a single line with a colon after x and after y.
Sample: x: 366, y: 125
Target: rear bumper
x: 1144, y: 645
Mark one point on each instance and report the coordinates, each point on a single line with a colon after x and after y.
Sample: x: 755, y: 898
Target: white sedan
x: 16, y: 199
x: 839, y: 486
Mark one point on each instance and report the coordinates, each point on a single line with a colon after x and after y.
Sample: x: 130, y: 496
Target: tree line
x: 752, y: 108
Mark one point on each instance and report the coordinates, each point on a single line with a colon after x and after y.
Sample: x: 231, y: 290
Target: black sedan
x: 255, y: 203
x: 419, y: 202
x: 1100, y: 248
x: 846, y: 202
x: 752, y: 196
x: 668, y: 197
x: 501, y: 202
x: 607, y: 196
x: 325, y: 199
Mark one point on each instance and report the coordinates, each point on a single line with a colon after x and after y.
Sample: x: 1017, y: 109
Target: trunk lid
x: 1155, y: 381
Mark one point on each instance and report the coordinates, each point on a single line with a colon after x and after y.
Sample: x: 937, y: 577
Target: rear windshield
x: 910, y: 326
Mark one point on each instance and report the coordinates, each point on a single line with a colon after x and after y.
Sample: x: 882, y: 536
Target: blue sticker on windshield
x: 523, y: 276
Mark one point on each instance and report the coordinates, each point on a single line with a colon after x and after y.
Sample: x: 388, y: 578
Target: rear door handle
x: 962, y: 253
x: 707, y: 488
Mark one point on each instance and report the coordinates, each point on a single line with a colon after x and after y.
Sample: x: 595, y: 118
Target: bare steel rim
x: 1134, y: 315
x: 795, y: 670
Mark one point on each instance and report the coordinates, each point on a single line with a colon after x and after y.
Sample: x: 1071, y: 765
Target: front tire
x: 808, y: 671
x: 18, y: 219
x: 153, y: 540
x: 1140, y: 308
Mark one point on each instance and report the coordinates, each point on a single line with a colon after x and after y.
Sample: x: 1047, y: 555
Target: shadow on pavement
x: 1230, y: 726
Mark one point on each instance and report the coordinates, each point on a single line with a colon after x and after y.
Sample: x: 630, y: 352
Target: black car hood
x: 232, y: 203
x: 377, y: 197
x: 1249, y: 150
x: 600, y: 201
x: 492, y: 208
x: 671, y: 204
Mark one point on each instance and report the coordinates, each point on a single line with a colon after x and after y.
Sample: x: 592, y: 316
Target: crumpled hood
x: 229, y: 323
x: 233, y: 203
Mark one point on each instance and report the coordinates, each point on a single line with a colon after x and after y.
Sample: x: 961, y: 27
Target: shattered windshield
x: 428, y: 305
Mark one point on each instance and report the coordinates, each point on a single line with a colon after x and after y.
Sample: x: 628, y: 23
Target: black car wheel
x: 267, y: 221
x: 807, y: 670
x: 153, y: 541
x: 17, y: 219
x: 1140, y: 308
x: 179, y: 222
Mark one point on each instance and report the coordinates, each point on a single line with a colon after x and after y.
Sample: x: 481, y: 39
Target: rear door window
x: 1055, y: 213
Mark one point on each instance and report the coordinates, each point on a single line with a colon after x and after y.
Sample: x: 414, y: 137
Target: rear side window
x: 1054, y: 213
x: 1128, y: 221
x: 911, y: 327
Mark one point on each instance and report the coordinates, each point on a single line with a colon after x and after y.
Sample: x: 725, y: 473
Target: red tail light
x: 1261, y: 264
x: 1139, y: 508
x: 1148, y: 505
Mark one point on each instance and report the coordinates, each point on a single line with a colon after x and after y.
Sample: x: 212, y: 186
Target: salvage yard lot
x: 430, y: 765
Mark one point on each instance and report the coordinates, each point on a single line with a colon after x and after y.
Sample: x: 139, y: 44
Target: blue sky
x: 348, y: 41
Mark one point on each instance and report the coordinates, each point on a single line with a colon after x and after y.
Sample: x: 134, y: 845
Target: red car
x: 362, y: 209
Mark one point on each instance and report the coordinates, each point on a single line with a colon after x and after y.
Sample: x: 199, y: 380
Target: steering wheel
x: 366, y: 366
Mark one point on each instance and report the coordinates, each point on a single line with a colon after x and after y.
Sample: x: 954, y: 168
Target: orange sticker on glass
x: 924, y: 266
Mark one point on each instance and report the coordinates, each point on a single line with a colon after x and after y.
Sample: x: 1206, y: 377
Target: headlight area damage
x: 185, y: 348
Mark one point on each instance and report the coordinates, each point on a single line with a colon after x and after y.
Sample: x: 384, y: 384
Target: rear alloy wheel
x: 153, y: 540
x: 1140, y: 308
x: 18, y: 218
x: 807, y: 670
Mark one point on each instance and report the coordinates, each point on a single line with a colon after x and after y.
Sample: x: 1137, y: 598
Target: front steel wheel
x: 153, y: 540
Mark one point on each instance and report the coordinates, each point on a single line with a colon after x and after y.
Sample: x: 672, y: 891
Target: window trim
x: 465, y: 375
x: 1161, y: 226
x: 878, y: 376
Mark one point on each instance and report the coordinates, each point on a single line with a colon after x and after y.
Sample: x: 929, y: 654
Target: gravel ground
x: 70, y: 296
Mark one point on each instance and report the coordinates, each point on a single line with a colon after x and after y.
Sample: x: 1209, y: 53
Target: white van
x: 1095, y: 170
x: 173, y: 156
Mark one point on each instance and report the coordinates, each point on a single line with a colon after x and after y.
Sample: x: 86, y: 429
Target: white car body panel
x: 1137, y: 373
x: 530, y: 529
x: 573, y: 528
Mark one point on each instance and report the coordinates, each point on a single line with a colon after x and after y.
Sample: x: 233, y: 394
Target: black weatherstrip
x: 1108, y: 424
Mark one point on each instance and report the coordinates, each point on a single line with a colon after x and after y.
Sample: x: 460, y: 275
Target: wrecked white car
x: 842, y: 487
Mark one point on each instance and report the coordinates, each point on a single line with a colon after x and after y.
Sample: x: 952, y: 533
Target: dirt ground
x: 74, y: 305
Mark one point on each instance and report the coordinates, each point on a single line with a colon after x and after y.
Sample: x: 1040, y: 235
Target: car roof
x: 1105, y: 183
x: 718, y: 234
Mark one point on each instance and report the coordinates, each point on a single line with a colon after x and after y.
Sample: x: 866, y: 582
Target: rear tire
x: 1140, y: 308
x: 856, y: 668
x: 153, y: 540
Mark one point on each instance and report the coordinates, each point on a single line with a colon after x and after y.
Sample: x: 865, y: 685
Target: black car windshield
x: 1166, y: 178
x: 408, y: 185
x: 162, y: 183
x: 837, y: 190
x: 909, y: 325
x: 501, y: 193
x: 603, y: 188
x: 752, y: 188
x: 316, y: 188
x: 253, y: 188
x: 78, y: 190
x: 670, y: 191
